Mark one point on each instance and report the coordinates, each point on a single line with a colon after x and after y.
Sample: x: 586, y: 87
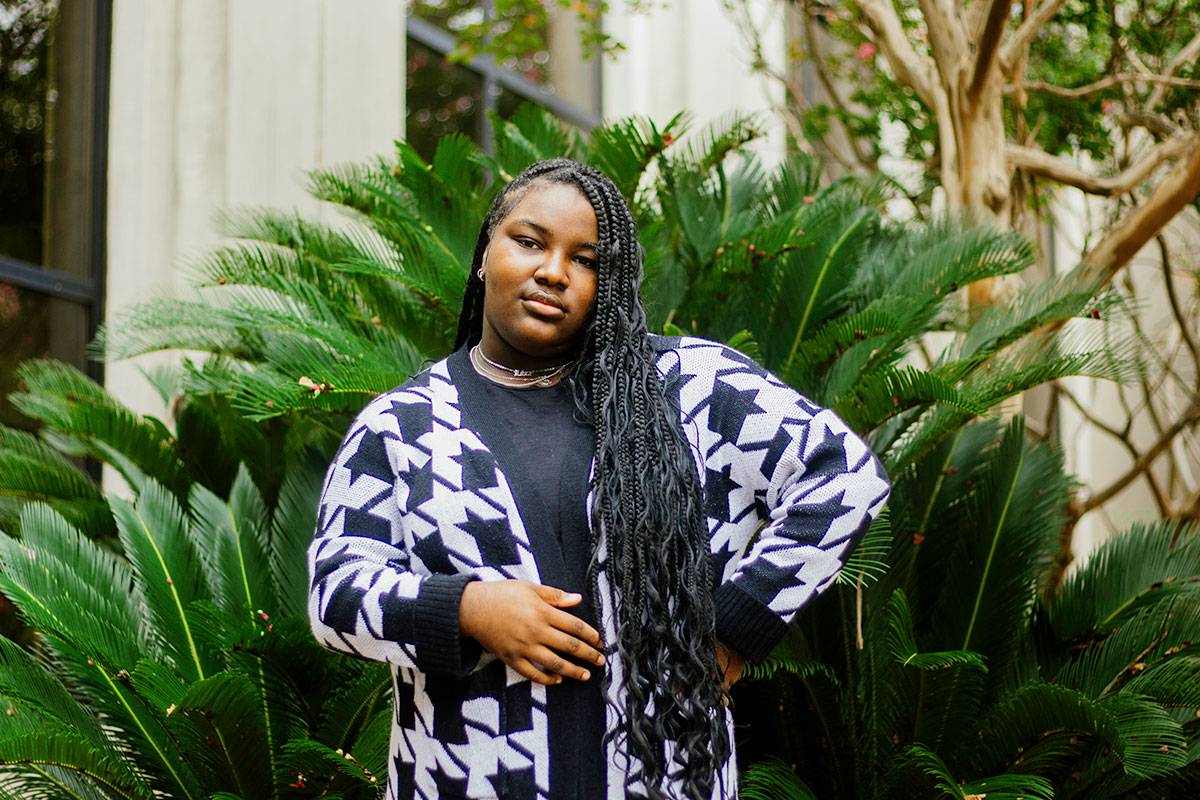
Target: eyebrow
x: 541, y: 229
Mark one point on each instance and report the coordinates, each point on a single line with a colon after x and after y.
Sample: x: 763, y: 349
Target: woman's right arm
x: 364, y: 599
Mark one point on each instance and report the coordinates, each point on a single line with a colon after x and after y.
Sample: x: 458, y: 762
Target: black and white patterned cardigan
x: 415, y: 506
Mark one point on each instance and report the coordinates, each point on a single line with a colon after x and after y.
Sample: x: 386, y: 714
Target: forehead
x: 558, y: 207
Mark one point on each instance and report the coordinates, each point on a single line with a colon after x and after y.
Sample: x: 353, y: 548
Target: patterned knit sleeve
x: 820, y: 494
x: 364, y: 599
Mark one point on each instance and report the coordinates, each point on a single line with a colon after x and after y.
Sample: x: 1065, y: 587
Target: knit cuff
x: 746, y: 625
x: 440, y: 646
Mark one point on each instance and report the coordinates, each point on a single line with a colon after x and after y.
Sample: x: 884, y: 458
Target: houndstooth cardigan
x: 415, y: 506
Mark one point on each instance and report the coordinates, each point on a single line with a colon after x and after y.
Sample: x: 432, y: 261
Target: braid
x: 646, y: 514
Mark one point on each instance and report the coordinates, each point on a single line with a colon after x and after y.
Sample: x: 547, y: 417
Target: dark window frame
x: 45, y: 279
x: 496, y: 77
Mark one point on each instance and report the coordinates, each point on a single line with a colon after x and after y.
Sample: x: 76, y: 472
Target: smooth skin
x: 539, y: 271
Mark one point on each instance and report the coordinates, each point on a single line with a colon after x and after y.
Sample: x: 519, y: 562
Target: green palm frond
x: 294, y: 519
x: 888, y: 391
x: 32, y: 471
x: 773, y: 780
x: 80, y: 418
x: 869, y: 561
x: 625, y: 148
x: 362, y: 690
x: 225, y: 706
x: 169, y: 577
x: 325, y: 765
x: 1010, y: 528
x: 1128, y: 571
x: 1174, y: 682
x: 231, y: 541
x: 63, y: 750
x: 795, y: 657
x: 904, y: 644
x: 1041, y: 723
x: 531, y: 134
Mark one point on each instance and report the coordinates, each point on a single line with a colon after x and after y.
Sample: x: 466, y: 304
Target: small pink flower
x: 865, y: 52
x: 1108, y: 106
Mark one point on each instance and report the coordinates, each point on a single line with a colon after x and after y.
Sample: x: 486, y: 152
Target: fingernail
x: 586, y: 675
x: 574, y: 596
x: 600, y: 660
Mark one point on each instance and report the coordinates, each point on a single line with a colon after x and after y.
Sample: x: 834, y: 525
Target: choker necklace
x: 516, y: 378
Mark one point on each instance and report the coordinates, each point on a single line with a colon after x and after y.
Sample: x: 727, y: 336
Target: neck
x: 501, y: 353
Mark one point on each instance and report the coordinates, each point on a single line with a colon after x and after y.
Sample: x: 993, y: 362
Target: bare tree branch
x: 1181, y: 321
x: 1188, y: 418
x: 988, y: 47
x: 818, y: 62
x: 912, y: 69
x: 947, y: 38
x: 1186, y: 55
x: 1100, y: 85
x: 1179, y: 188
x: 1157, y: 124
x: 1039, y: 162
x: 1029, y: 29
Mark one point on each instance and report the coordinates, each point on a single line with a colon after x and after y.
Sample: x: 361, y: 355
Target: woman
x: 550, y: 535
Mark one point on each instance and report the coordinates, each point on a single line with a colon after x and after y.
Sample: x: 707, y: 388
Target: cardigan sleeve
x: 821, y: 496
x: 364, y: 599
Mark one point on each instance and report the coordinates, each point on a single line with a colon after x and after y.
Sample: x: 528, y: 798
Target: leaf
x: 74, y: 754
x: 773, y: 780
x: 231, y: 539
x: 168, y: 573
x: 1129, y: 570
x: 903, y: 643
x: 869, y: 561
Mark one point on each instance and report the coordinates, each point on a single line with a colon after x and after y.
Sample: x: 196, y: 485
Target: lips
x: 547, y: 299
x: 544, y: 305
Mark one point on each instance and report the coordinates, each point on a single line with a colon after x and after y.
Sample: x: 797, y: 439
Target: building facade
x: 127, y: 126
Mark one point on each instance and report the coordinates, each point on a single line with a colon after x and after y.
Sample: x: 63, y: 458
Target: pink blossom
x: 866, y: 51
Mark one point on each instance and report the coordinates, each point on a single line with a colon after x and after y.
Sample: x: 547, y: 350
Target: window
x: 53, y: 116
x: 446, y: 98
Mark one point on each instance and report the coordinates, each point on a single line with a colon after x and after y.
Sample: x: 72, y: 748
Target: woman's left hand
x: 731, y: 664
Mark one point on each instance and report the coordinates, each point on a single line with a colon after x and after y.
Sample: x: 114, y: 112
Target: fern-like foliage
x: 941, y: 663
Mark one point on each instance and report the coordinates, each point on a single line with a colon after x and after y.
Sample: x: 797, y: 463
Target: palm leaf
x: 773, y: 780
x: 168, y: 573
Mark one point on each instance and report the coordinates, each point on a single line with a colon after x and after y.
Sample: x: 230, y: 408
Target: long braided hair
x: 647, y: 518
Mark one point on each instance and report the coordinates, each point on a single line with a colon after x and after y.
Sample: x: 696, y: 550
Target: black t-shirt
x: 546, y: 454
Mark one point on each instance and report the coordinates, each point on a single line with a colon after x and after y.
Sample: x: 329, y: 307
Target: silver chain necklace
x: 516, y: 378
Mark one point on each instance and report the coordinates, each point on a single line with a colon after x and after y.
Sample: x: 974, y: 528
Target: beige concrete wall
x: 690, y: 55
x: 223, y: 103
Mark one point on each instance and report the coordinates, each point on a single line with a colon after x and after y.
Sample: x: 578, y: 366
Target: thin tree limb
x: 1143, y: 463
x: 818, y: 62
x: 988, y: 47
x: 1181, y: 321
x: 1100, y: 85
x: 1038, y: 162
x: 912, y: 69
x: 1179, y: 188
x: 1029, y: 29
x: 1186, y: 55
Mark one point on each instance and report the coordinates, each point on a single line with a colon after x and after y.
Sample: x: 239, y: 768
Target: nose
x: 553, y: 268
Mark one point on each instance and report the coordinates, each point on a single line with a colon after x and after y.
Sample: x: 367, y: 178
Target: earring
x: 479, y: 272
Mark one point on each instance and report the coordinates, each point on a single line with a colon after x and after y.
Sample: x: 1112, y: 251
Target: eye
x: 526, y: 242
x: 587, y: 261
